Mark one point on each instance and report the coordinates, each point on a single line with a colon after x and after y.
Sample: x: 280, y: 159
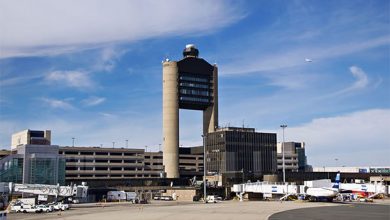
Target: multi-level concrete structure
x: 294, y: 156
x: 96, y: 163
x: 191, y: 83
x: 30, y: 137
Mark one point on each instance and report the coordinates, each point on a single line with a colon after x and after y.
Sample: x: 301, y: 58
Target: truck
x: 132, y: 197
x: 27, y: 201
x: 116, y: 196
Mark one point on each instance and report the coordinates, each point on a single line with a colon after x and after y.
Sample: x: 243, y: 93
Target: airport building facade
x: 240, y: 150
x: 33, y: 164
x: 294, y: 156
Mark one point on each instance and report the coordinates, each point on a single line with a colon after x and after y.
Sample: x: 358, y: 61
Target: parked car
x: 29, y: 209
x: 60, y: 206
x: 43, y: 208
x: 166, y: 198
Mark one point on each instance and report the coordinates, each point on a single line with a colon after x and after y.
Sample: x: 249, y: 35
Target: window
x: 101, y: 161
x: 195, y: 79
x: 194, y: 92
x: 195, y: 85
x: 194, y: 99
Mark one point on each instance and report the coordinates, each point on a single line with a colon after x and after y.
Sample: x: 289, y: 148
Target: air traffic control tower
x: 191, y: 83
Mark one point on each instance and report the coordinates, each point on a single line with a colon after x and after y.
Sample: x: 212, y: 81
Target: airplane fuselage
x: 322, y: 192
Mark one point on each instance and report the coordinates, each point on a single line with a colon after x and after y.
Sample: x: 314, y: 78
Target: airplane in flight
x: 324, y: 193
x: 308, y: 60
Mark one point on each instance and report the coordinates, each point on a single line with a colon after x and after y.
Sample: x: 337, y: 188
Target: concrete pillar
x: 210, y: 115
x: 170, y: 119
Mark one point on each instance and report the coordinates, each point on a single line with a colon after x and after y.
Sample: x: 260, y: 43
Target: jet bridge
x: 265, y: 188
x: 79, y: 191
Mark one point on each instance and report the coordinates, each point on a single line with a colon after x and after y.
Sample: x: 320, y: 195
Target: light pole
x: 146, y: 148
x: 73, y: 141
x: 113, y: 144
x: 204, y: 169
x: 284, y: 170
x: 127, y: 143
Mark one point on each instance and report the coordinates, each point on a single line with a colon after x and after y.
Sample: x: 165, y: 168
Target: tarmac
x: 247, y: 210
x: 345, y: 212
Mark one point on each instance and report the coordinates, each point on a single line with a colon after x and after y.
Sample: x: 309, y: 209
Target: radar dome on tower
x: 190, y: 51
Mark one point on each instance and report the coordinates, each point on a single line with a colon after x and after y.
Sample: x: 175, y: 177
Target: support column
x: 170, y: 119
x: 210, y: 115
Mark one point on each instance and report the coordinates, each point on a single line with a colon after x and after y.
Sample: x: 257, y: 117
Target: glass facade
x: 195, y: 90
x: 46, y: 171
x: 12, y: 171
x: 241, y: 151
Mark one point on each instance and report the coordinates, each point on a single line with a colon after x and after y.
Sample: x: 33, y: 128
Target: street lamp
x: 73, y: 141
x: 284, y: 169
x: 113, y: 144
x: 204, y: 169
x: 127, y: 143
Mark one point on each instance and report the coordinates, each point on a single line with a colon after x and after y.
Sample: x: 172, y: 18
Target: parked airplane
x: 324, y: 193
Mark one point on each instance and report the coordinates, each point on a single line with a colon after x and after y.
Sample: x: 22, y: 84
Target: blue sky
x: 92, y: 70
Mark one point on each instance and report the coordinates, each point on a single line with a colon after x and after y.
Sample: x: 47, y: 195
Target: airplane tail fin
x: 337, y: 181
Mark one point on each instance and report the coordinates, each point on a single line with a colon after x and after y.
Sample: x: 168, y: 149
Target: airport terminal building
x: 241, y: 150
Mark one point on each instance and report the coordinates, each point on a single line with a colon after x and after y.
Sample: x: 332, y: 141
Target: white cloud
x: 361, y: 82
x: 46, y: 27
x: 17, y: 80
x: 356, y: 139
x: 75, y: 79
x: 56, y: 103
x: 361, y: 77
x: 93, y: 101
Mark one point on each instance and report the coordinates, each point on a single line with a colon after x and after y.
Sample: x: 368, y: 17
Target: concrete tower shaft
x: 170, y: 119
x: 210, y: 114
